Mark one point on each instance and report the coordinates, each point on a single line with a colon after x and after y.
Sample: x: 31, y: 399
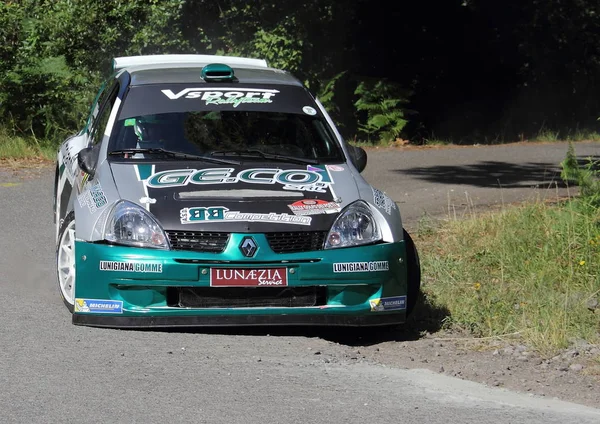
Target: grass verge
x: 531, y: 270
x: 16, y: 147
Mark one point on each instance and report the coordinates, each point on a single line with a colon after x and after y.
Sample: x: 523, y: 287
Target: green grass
x: 547, y: 136
x: 575, y: 135
x: 584, y: 136
x: 16, y: 147
x: 528, y: 271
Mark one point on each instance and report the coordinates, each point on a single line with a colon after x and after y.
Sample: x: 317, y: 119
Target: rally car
x: 215, y: 190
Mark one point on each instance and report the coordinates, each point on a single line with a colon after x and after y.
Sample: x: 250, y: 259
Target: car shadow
x: 426, y: 318
x: 492, y: 174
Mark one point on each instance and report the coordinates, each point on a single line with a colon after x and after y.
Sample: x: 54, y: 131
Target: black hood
x: 248, y: 198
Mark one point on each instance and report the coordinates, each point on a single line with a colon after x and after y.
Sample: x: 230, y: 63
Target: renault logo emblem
x: 248, y: 247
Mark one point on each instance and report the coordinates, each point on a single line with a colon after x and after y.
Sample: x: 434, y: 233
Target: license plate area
x: 246, y: 297
x: 249, y: 277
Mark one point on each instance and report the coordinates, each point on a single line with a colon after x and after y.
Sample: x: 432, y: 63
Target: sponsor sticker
x: 335, y: 168
x: 147, y: 200
x: 396, y: 303
x: 222, y: 214
x: 309, y: 110
x: 382, y: 201
x: 225, y: 96
x: 142, y: 267
x: 314, y: 179
x: 267, y: 277
x: 99, y: 306
x: 314, y: 207
x: 82, y: 180
x: 374, y: 266
x: 94, y: 197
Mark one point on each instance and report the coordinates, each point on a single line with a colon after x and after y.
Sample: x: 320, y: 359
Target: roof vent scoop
x: 217, y: 72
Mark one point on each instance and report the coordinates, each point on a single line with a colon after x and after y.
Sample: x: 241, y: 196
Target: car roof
x: 186, y: 73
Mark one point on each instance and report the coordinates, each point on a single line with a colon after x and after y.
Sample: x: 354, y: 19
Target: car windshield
x: 242, y: 132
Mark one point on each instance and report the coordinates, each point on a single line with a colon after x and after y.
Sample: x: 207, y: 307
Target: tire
x: 65, y: 261
x: 413, y: 273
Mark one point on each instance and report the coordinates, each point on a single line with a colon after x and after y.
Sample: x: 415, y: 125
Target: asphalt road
x: 52, y: 371
x: 450, y: 183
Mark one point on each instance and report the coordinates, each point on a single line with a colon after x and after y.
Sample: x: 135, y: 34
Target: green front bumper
x: 120, y: 286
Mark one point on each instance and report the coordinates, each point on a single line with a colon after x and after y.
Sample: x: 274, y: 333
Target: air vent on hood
x: 238, y: 194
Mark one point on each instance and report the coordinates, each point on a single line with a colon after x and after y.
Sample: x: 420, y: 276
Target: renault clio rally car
x: 213, y: 190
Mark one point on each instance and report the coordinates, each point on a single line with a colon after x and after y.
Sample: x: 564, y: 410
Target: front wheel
x: 413, y: 272
x: 65, y: 261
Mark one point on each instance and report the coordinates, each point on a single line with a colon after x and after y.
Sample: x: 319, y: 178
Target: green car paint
x: 139, y: 277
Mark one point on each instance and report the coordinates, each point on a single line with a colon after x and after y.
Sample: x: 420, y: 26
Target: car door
x: 68, y: 172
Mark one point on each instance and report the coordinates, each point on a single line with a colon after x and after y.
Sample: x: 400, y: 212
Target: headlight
x: 131, y: 225
x: 355, y: 226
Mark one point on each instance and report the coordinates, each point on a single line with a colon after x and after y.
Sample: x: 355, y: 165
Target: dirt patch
x: 573, y: 375
x: 13, y: 171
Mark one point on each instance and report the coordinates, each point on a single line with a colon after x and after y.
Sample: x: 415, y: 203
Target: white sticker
x: 153, y: 267
x: 382, y: 201
x: 94, y: 197
x: 374, y: 266
x: 224, y: 95
x: 309, y: 110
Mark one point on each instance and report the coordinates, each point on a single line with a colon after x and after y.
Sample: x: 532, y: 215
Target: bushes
x: 586, y: 176
x: 55, y: 53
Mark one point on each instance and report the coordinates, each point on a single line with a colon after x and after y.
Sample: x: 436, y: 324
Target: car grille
x: 290, y: 242
x: 246, y: 297
x: 198, y: 241
x: 304, y: 241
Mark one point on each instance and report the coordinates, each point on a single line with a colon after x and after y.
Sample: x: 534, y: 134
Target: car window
x: 272, y: 120
x: 99, y: 124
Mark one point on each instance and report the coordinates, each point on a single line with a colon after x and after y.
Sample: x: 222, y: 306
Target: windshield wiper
x: 255, y: 153
x: 172, y: 154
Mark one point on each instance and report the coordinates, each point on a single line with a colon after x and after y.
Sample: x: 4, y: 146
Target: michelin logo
x: 98, y: 306
x: 396, y: 303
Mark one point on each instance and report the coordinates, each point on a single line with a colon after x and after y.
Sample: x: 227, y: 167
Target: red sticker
x: 314, y: 207
x: 248, y: 277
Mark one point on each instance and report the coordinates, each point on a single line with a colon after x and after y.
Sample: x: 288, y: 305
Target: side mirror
x: 358, y: 155
x: 87, y: 159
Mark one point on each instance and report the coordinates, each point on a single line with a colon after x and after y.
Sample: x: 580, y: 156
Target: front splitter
x: 238, y: 320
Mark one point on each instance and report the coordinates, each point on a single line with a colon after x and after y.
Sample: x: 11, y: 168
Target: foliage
x: 586, y: 175
x: 516, y: 70
x: 330, y: 90
x: 55, y: 53
x: 383, y: 104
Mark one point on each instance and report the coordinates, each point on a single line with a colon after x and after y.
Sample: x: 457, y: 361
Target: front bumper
x: 142, y: 287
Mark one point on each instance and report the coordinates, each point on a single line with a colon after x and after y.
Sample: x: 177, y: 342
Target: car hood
x: 251, y: 197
